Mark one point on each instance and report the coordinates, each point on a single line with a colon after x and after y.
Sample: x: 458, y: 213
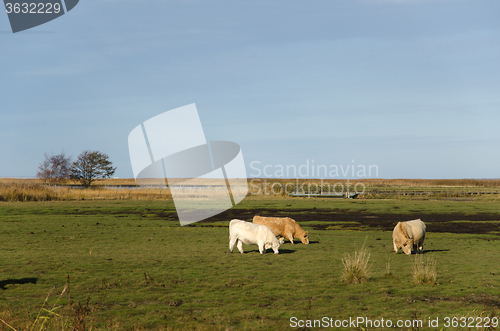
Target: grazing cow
x: 409, y: 235
x: 249, y: 233
x: 285, y: 227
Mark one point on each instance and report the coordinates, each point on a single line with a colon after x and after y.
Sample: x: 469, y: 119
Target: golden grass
x: 432, y: 182
x: 378, y: 187
x: 424, y: 270
x: 369, y: 182
x: 356, y: 267
x: 25, y: 192
x: 35, y: 189
x: 40, y: 192
x: 382, y: 182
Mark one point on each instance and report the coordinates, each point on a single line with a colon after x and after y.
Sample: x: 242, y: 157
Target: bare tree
x: 54, y: 168
x: 92, y: 165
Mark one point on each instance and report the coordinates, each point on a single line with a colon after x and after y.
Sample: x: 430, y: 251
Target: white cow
x: 409, y: 235
x: 249, y: 233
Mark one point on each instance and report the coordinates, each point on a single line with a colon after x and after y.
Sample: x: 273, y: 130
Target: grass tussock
x: 356, y: 266
x: 424, y: 270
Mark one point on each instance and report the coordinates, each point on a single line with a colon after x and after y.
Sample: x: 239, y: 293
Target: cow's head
x: 407, y: 246
x: 304, y: 237
x: 405, y: 241
x: 275, y: 245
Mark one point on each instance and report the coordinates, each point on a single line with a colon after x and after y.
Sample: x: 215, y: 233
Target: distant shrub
x: 54, y: 168
x: 356, y: 267
x: 424, y: 270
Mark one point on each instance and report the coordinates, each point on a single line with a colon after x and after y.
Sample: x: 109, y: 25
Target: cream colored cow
x: 285, y: 227
x: 248, y: 233
x: 409, y: 235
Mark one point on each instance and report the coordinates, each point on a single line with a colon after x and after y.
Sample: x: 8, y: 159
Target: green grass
x: 131, y: 266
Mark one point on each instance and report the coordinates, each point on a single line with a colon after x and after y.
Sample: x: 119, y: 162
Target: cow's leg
x: 421, y: 244
x: 396, y: 248
x: 289, y: 236
x: 232, y: 241
x: 262, y: 250
x: 240, y: 246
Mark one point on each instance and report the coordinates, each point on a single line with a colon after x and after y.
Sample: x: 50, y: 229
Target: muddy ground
x: 481, y: 223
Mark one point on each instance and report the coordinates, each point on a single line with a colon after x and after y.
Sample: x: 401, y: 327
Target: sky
x: 409, y: 87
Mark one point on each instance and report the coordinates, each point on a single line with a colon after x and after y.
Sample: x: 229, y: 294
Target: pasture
x: 128, y: 265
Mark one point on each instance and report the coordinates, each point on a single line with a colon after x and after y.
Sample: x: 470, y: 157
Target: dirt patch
x: 323, y: 219
x: 481, y: 223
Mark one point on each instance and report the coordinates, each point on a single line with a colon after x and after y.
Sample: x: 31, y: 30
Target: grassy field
x: 126, y: 264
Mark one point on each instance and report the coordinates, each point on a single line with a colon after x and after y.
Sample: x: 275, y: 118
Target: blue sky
x: 412, y: 87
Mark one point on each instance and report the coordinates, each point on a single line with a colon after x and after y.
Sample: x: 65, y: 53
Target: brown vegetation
x: 12, y: 189
x: 424, y: 271
x: 375, y: 187
x: 34, y: 190
x: 381, y: 182
x: 356, y: 267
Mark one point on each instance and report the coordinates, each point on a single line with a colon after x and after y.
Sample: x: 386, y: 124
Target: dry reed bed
x: 382, y: 182
x: 369, y: 182
x: 40, y: 192
x: 36, y: 190
x: 377, y: 188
